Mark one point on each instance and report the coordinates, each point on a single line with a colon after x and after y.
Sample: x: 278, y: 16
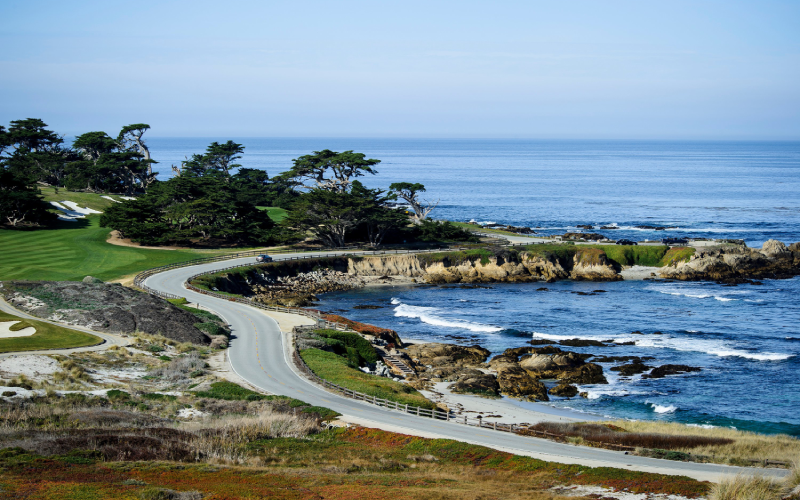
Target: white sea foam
x: 713, y: 347
x: 596, y: 393
x: 395, y: 301
x: 428, y: 315
x: 688, y: 292
x: 702, y: 426
x: 662, y: 409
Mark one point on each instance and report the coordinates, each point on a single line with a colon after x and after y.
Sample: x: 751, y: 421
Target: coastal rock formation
x: 476, y: 382
x: 438, y: 355
x: 301, y: 289
x: 517, y: 379
x: 586, y: 264
x: 584, y: 236
x: 664, y: 370
x: 515, y: 382
x: 564, y: 390
x: 734, y: 264
x: 592, y: 264
x: 105, y: 307
x: 568, y: 367
x: 631, y: 369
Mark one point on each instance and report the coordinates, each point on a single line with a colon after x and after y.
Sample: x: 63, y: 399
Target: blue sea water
x: 746, y: 190
x: 745, y: 338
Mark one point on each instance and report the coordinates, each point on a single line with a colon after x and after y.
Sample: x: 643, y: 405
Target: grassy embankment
x: 335, y: 369
x: 342, y: 463
x: 47, y: 336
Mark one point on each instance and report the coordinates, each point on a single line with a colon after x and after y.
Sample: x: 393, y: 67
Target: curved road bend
x: 107, y: 338
x: 259, y: 353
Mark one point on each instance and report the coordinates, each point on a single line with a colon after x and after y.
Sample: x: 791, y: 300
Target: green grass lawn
x: 334, y: 368
x: 47, y: 336
x: 277, y: 214
x: 90, y: 200
x: 69, y: 251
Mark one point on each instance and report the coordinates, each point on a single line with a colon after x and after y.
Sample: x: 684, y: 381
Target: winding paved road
x: 259, y: 353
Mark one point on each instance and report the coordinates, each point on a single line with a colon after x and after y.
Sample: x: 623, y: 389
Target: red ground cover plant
x: 392, y: 467
x: 367, y: 329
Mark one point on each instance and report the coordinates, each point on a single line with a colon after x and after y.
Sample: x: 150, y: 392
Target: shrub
x: 117, y: 395
x: 229, y: 391
x: 159, y: 397
x: 179, y: 368
x: 212, y: 328
x: 431, y: 231
x: 351, y: 340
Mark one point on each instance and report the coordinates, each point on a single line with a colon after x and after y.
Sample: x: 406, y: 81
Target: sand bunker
x: 7, y: 333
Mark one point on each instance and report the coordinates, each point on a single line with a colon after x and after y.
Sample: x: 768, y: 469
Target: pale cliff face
x: 530, y: 268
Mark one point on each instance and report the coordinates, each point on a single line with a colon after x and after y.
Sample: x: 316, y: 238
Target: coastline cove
x: 744, y: 338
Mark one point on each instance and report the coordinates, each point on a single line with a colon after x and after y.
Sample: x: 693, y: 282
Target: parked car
x: 264, y: 258
x: 626, y: 242
x: 674, y: 241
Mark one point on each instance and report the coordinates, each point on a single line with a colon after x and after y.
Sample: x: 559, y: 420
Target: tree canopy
x: 200, y: 206
x: 410, y: 193
x: 329, y: 170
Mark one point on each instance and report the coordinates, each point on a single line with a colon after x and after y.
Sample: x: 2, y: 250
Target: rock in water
x: 664, y: 370
x: 564, y: 390
x: 631, y: 369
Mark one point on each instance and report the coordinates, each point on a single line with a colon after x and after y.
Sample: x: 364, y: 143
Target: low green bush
x: 155, y: 396
x: 350, y: 340
x: 117, y: 395
x: 229, y: 391
x: 211, y: 328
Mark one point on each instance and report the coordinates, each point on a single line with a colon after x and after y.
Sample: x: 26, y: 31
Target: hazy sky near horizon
x: 578, y: 69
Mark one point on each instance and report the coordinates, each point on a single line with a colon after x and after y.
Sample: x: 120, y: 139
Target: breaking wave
x: 714, y: 347
x: 429, y: 315
x: 662, y: 409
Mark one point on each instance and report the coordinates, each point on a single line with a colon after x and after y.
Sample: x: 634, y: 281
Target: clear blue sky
x: 540, y: 69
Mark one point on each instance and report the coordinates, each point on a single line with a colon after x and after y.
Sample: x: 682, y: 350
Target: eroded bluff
x: 587, y: 264
x: 735, y: 264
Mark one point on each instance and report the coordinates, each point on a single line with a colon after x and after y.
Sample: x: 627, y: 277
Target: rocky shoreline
x: 297, y: 284
x: 520, y: 372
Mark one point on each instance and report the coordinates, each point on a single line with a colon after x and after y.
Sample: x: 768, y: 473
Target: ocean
x: 746, y: 339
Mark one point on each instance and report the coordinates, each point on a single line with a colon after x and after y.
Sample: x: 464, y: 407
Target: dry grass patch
x: 750, y: 488
x: 746, y: 446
